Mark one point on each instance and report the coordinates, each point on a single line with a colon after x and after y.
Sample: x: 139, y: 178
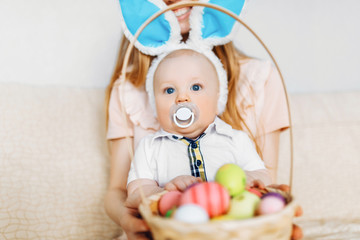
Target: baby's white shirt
x: 162, y: 156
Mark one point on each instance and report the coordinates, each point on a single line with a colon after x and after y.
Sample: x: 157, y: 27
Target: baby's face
x: 186, y: 78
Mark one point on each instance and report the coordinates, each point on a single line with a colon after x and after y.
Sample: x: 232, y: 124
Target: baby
x: 189, y: 91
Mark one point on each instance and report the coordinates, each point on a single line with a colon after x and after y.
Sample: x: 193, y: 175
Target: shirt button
x: 198, y: 163
x: 194, y: 145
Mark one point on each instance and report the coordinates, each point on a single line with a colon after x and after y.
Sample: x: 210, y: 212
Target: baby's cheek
x: 163, y: 116
x: 209, y: 106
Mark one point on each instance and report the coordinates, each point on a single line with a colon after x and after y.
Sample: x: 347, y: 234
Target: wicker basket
x: 277, y: 226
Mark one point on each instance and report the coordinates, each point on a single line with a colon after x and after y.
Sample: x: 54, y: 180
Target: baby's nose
x: 182, y: 97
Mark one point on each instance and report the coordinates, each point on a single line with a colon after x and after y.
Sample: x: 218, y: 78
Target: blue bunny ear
x: 211, y: 25
x: 162, y: 31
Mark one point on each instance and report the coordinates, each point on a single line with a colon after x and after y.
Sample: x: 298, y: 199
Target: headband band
x: 209, y: 27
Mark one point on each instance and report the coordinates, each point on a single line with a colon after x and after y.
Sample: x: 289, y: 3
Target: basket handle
x: 231, y: 14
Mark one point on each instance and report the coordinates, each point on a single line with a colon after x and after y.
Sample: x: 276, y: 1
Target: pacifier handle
x: 182, y: 114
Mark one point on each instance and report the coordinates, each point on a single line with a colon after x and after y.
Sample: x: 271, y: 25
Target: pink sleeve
x: 274, y: 114
x: 261, y: 97
x: 117, y: 125
x: 130, y: 113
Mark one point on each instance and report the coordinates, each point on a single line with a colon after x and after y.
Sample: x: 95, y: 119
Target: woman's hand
x: 297, y: 232
x: 117, y: 205
x: 180, y: 183
x: 128, y: 218
x: 256, y: 184
x: 132, y: 224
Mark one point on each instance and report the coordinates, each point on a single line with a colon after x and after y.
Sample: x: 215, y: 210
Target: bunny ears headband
x: 209, y: 27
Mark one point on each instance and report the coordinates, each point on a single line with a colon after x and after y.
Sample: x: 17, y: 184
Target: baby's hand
x: 180, y: 183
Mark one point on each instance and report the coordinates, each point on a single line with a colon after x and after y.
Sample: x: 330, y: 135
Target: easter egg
x: 169, y: 213
x: 254, y: 191
x: 223, y: 218
x: 191, y: 213
x: 232, y: 177
x: 244, y: 205
x: 271, y: 203
x: 213, y: 197
x: 168, y: 201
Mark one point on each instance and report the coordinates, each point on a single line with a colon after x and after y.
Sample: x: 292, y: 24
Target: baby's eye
x: 169, y: 90
x: 195, y: 87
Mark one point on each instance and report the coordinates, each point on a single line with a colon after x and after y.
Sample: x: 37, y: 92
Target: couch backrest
x: 54, y: 160
x: 53, y: 163
x: 326, y: 155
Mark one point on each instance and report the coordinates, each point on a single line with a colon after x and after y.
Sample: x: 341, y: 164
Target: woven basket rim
x: 150, y: 217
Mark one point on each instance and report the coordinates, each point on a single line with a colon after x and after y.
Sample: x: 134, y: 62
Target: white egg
x: 191, y: 213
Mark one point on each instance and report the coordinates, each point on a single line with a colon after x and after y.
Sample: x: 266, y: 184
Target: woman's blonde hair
x: 229, y: 57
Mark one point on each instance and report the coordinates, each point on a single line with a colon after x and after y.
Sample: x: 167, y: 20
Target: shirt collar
x: 218, y: 125
x: 162, y: 133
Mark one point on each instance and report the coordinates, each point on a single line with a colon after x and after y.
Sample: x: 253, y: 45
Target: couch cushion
x: 53, y: 163
x: 326, y: 163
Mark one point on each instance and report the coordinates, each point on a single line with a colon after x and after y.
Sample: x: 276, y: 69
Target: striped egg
x: 213, y: 197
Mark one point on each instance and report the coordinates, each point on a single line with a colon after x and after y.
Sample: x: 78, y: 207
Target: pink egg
x: 271, y: 203
x: 213, y: 197
x: 168, y: 201
x: 254, y: 191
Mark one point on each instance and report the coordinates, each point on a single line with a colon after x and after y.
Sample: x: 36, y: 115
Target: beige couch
x: 54, y: 163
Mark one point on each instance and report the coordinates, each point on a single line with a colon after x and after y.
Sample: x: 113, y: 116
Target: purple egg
x: 273, y: 194
x: 271, y: 203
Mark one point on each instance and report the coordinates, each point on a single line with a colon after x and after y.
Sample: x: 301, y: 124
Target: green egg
x: 232, y: 177
x: 244, y: 206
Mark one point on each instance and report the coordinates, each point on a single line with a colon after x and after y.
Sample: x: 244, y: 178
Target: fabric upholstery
x: 54, y: 163
x: 326, y: 130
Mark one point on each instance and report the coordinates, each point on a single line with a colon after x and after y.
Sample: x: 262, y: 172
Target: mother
x: 256, y: 104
